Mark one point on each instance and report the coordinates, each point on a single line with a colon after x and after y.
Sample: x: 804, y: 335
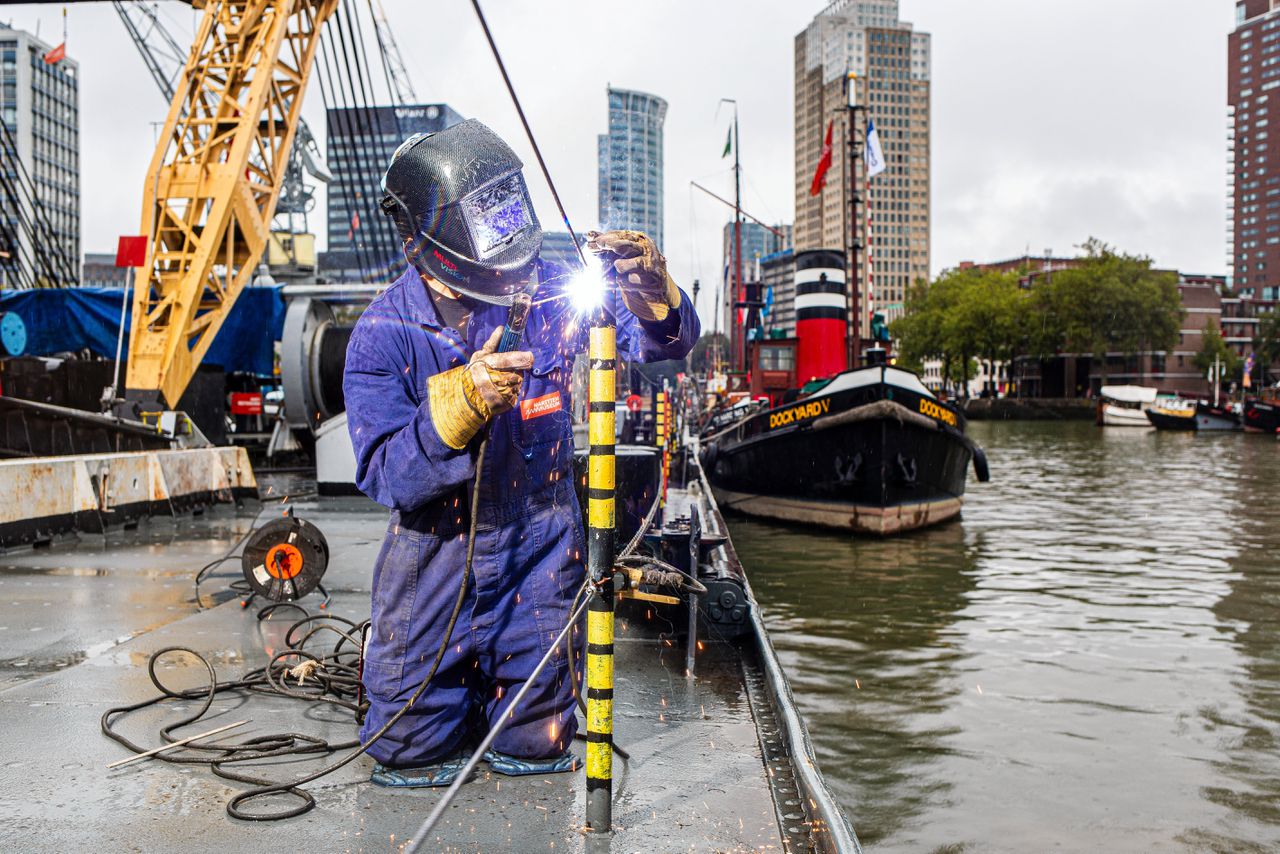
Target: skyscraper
x: 630, y: 170
x: 891, y: 64
x: 1253, y: 97
x: 40, y: 112
x: 362, y: 241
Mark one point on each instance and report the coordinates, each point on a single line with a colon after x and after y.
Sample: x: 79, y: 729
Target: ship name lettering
x: 799, y: 413
x: 933, y: 410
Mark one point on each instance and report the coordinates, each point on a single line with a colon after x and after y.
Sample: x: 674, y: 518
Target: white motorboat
x: 1125, y: 405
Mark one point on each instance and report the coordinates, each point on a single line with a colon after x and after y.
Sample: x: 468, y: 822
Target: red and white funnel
x: 822, y: 314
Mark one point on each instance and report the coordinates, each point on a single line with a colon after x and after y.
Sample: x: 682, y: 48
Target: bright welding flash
x: 587, y: 287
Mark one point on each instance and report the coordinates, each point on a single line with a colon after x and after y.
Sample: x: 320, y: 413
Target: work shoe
x: 513, y: 766
x: 441, y: 773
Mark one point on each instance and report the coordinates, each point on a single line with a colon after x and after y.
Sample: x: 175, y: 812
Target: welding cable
x: 337, y: 676
x: 415, y: 843
x: 265, y: 789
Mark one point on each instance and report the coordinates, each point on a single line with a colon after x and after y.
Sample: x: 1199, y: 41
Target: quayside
x: 719, y: 762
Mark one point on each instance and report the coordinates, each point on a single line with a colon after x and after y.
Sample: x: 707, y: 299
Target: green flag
x: 728, y: 143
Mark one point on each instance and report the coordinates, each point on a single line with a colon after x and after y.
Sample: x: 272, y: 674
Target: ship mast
x: 740, y: 354
x: 851, y: 229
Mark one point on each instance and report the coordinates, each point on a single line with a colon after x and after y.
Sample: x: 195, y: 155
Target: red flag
x: 820, y: 177
x: 56, y: 55
x: 131, y: 251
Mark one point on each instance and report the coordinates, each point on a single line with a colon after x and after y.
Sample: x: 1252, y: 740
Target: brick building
x: 1253, y: 98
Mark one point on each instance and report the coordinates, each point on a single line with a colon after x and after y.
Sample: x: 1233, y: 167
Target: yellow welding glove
x: 640, y: 271
x: 463, y: 399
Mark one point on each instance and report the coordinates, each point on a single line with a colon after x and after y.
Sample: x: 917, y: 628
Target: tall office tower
x: 630, y: 171
x: 40, y: 111
x: 757, y: 242
x: 890, y: 61
x: 1253, y: 89
x: 363, y: 243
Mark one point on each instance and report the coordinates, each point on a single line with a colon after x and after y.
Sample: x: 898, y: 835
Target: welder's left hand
x: 640, y: 271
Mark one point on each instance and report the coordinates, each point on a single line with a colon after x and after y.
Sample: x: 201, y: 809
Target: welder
x: 425, y: 385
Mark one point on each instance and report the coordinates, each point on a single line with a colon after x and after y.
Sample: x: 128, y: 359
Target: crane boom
x: 214, y: 181
x: 392, y: 60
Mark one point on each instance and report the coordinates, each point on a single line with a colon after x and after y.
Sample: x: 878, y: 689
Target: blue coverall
x: 529, y: 554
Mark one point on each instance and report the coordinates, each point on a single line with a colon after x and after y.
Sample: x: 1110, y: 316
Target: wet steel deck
x: 78, y: 621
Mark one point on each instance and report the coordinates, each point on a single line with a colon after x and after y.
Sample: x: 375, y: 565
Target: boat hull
x: 1163, y: 420
x: 1212, y: 419
x: 859, y: 518
x: 1121, y: 416
x: 1261, y: 416
x: 868, y: 464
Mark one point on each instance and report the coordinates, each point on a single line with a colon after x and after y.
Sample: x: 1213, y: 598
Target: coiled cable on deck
x: 337, y: 675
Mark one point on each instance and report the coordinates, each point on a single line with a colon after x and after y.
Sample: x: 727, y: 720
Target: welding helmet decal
x: 462, y: 209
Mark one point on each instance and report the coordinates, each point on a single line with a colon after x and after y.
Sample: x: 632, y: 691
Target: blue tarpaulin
x: 61, y: 320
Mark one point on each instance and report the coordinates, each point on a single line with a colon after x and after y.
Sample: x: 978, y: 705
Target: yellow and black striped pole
x: 600, y: 555
x: 660, y: 439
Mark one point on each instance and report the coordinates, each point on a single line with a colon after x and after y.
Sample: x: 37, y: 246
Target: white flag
x: 872, y: 152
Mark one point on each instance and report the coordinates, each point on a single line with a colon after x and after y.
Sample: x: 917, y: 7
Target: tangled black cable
x: 338, y: 687
x: 306, y: 670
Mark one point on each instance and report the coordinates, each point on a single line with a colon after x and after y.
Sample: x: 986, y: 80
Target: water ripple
x: 1092, y: 653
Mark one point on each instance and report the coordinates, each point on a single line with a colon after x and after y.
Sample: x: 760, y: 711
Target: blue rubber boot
x: 513, y: 766
x: 441, y: 773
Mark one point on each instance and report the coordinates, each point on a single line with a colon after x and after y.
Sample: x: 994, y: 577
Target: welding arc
x: 416, y: 842
x: 546, y: 173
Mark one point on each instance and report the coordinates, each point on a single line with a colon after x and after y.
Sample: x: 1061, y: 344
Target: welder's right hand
x: 465, y: 398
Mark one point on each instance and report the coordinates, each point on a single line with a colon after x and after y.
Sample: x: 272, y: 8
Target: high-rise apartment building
x: 1253, y: 99
x: 362, y: 241
x: 891, y: 64
x: 40, y: 111
x: 630, y: 166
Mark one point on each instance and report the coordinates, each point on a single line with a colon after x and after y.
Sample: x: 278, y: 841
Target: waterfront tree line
x: 1111, y: 303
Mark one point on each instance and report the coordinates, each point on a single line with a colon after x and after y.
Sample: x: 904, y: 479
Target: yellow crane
x: 214, y: 180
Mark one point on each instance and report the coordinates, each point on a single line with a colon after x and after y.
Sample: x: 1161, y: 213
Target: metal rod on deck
x: 602, y: 355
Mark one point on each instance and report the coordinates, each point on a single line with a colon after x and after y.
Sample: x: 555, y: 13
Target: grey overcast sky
x: 1052, y: 121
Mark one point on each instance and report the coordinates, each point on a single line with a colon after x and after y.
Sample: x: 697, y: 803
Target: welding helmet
x: 462, y: 209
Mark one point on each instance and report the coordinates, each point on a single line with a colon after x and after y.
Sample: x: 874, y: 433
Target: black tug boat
x: 873, y: 451
x: 1262, y: 413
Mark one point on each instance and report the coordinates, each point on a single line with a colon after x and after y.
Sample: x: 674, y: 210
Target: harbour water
x: 1088, y: 661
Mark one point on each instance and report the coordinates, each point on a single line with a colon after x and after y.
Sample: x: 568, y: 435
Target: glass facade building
x: 40, y: 110
x: 630, y: 165
x: 363, y: 244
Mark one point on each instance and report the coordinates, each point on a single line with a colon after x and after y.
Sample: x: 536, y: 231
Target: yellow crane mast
x: 214, y: 180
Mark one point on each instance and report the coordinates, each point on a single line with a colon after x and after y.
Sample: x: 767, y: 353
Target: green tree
x: 1214, y: 348
x: 1266, y: 347
x: 1111, y: 302
x: 965, y: 314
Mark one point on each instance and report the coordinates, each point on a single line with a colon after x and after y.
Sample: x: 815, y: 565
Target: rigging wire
x: 340, y: 116
x: 515, y: 99
x: 373, y: 116
x: 392, y: 98
x: 375, y: 227
x: 63, y: 269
